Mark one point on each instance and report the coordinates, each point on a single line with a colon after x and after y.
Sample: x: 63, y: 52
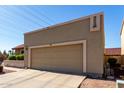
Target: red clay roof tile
x: 19, y: 46
x: 113, y: 51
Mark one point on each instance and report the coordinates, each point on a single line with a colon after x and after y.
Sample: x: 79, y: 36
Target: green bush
x: 20, y: 57
x: 12, y: 57
x: 16, y: 57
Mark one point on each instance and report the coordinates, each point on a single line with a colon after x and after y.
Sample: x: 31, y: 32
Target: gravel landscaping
x: 97, y: 83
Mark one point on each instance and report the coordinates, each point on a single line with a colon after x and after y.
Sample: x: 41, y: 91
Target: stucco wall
x: 122, y: 59
x: 78, y: 30
x: 14, y: 63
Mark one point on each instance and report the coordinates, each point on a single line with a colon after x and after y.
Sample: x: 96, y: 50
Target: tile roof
x: 112, y: 51
x: 19, y: 46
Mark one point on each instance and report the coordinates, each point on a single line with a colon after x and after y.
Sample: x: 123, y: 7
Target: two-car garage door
x: 66, y: 58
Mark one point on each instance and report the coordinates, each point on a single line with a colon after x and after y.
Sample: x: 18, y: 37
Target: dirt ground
x: 96, y: 83
x: 6, y: 71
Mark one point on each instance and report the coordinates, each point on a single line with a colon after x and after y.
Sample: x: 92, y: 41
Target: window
x: 94, y: 22
x: 22, y: 51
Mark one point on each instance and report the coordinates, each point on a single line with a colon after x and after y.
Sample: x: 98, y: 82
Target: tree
x: 5, y: 54
x: 10, y: 52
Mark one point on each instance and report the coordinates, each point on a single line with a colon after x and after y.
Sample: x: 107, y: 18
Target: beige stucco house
x: 76, y: 46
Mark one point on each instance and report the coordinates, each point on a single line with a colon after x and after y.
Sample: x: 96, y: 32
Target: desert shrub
x: 112, y: 61
x: 12, y: 57
x: 20, y: 57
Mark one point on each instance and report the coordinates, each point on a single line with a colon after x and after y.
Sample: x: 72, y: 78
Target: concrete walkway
x: 13, y: 68
x: 39, y: 79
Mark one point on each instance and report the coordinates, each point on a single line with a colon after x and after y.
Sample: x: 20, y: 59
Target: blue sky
x: 16, y: 20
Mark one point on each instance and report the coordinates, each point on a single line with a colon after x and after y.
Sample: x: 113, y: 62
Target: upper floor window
x: 95, y: 23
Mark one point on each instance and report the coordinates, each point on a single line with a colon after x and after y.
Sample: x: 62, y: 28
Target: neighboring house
x: 75, y: 46
x: 19, y: 49
x: 18, y: 62
x: 113, y: 53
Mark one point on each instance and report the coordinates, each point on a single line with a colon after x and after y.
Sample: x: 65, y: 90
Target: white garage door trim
x: 61, y: 44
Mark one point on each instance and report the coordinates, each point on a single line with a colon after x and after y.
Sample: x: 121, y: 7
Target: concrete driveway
x: 39, y: 79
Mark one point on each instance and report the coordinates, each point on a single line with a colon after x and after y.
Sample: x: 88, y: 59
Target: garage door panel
x: 58, y: 58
